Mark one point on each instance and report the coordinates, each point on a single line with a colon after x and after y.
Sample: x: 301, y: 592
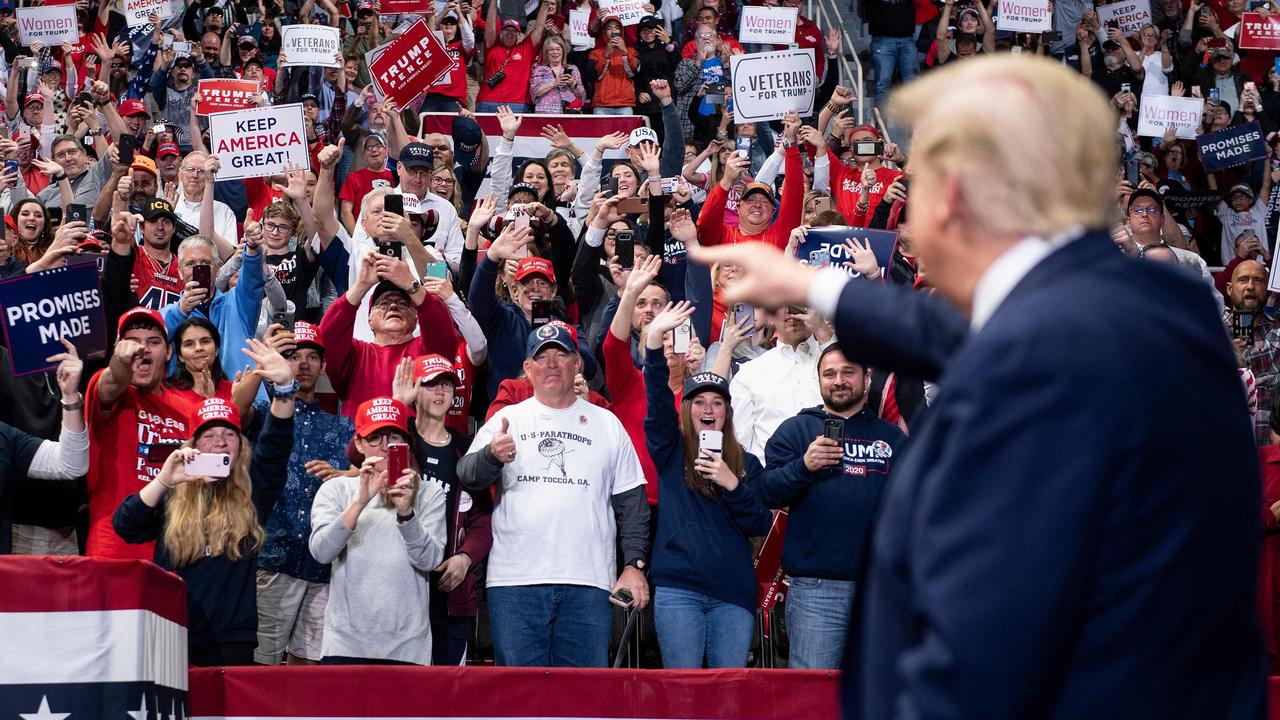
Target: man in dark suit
x: 1072, y: 531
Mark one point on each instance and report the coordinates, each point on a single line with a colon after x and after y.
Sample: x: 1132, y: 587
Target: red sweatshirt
x: 513, y: 391
x: 844, y: 188
x: 361, y: 370
x: 711, y: 227
x: 626, y: 391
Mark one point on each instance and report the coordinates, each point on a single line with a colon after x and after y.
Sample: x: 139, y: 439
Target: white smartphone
x: 182, y: 48
x: 711, y: 441
x: 208, y: 465
x: 681, y: 337
x: 157, y: 129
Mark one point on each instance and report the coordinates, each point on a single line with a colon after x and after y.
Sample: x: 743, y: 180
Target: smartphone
x: 874, y: 149
x: 610, y: 186
x: 84, y: 100
x: 1277, y: 65
x: 438, y: 270
x: 1195, y: 91
x: 166, y: 41
x: 11, y: 166
x: 682, y: 337
x: 623, y: 599
x: 390, y: 248
x: 1250, y: 87
x: 1126, y: 88
x: 744, y: 316
x: 670, y: 185
x: 1131, y: 173
x: 214, y: 465
x: 77, y: 213
x: 284, y: 319
x: 711, y: 441
x: 158, y: 452
x: 624, y: 248
x: 1214, y: 95
x: 158, y: 128
x: 182, y: 48
x: 54, y: 214
x: 397, y: 461
x: 126, y: 143
x: 833, y: 429
x: 1113, y: 24
x: 1088, y: 7
x: 203, y: 274
x: 539, y: 313
x: 1242, y: 326
x: 393, y: 203
x: 1053, y: 35
x: 819, y: 258
x: 632, y: 206
x: 744, y: 147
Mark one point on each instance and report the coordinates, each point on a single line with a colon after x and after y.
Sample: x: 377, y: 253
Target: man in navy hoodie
x: 832, y: 489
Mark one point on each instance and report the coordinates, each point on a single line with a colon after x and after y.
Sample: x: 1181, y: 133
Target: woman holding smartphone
x: 703, y: 579
x: 206, y: 509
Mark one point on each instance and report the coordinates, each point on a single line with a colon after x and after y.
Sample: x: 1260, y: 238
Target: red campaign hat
x: 304, y: 333
x: 32, y: 97
x: 866, y: 128
x: 142, y: 313
x: 430, y: 367
x: 535, y: 266
x: 133, y: 106
x: 214, y: 411
x: 379, y: 413
x: 167, y: 149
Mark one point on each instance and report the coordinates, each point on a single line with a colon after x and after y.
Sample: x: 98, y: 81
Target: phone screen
x: 397, y: 461
x: 625, y: 249
x: 540, y: 313
x: 393, y: 203
x: 203, y: 274
x: 126, y: 144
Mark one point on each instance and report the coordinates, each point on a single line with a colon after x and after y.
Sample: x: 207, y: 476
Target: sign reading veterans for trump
x: 1131, y: 15
x: 1229, y: 147
x: 310, y: 46
x: 766, y: 85
x: 259, y: 142
x: 223, y: 94
x: 1024, y: 16
x: 768, y: 25
x: 825, y: 246
x: 51, y: 25
x: 139, y: 12
x: 628, y: 11
x: 1158, y: 112
x: 42, y: 308
x: 1259, y: 34
x: 405, y: 67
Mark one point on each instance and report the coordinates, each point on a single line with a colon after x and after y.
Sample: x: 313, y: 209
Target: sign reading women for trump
x: 766, y: 85
x: 1024, y: 16
x: 43, y: 308
x: 768, y: 25
x: 51, y: 25
x: 258, y: 142
x: 1158, y: 112
x: 309, y: 46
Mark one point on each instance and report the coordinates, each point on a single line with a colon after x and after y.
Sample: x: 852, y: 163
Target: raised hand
x: 670, y: 318
x: 509, y: 241
x: 271, y: 365
x: 70, y: 368
x: 403, y: 388
x: 642, y: 274
x: 331, y: 154
x: 556, y: 135
x: 864, y: 259
x: 503, y: 446
x: 508, y: 121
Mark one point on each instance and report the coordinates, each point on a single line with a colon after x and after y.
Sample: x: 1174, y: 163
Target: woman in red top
x: 197, y: 372
x: 508, y: 62
x: 858, y: 188
x: 450, y: 91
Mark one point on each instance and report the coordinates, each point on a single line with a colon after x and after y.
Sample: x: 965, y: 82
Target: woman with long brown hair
x: 704, y: 584
x: 209, y: 525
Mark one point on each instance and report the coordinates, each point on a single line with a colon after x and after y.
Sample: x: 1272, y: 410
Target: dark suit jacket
x: 1072, y: 532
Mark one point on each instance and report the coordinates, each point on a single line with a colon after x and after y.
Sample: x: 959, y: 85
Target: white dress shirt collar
x: 1008, y: 270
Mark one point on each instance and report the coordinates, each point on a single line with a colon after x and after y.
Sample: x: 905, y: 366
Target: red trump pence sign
x: 259, y: 142
x: 223, y: 94
x: 1259, y: 34
x: 405, y: 67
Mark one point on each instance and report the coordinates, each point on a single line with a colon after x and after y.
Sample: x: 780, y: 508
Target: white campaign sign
x: 768, y: 25
x: 259, y: 142
x: 1157, y: 112
x: 310, y: 46
x: 51, y: 25
x: 766, y: 85
x: 628, y: 11
x: 1131, y: 15
x: 1024, y: 16
x: 138, y: 12
x: 580, y: 28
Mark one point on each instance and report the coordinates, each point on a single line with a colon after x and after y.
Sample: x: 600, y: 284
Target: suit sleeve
x: 898, y: 329
x: 983, y: 654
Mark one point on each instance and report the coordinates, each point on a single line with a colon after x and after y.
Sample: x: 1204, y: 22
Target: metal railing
x: 827, y: 16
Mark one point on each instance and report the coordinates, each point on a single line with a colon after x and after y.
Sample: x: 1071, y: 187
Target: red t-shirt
x: 456, y: 419
x: 454, y: 83
x: 515, y: 87
x: 118, y: 465
x: 159, y: 284
x: 222, y: 390
x: 844, y: 188
x: 361, y: 183
x: 627, y: 401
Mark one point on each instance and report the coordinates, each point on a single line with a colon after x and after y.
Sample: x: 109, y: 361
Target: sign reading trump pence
x: 258, y: 142
x: 1158, y: 112
x: 766, y: 85
x: 405, y: 67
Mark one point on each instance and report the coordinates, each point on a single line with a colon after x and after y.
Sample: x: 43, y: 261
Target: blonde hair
x: 212, y: 518
x: 976, y: 122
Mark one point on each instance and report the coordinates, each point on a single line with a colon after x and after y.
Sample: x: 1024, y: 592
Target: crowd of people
x: 354, y: 403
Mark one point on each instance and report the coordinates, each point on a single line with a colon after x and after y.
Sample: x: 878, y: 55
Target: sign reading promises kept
x: 405, y: 67
x: 1231, y: 146
x: 51, y: 25
x: 42, y: 308
x: 766, y: 85
x: 259, y: 142
x: 310, y: 46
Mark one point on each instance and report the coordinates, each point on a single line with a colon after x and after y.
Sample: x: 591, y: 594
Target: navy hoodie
x: 831, y: 511
x: 701, y: 543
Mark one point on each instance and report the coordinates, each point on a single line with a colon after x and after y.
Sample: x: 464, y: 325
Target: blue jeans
x: 550, y: 625
x: 692, y: 625
x: 892, y: 53
x: 818, y: 615
x: 439, y: 103
x: 611, y: 111
x: 492, y: 107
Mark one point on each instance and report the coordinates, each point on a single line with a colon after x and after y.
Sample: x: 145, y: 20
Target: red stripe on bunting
x: 348, y: 691
x: 575, y: 126
x: 69, y: 583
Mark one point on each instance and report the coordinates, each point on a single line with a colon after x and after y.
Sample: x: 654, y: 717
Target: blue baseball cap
x: 703, y: 381
x: 553, y: 333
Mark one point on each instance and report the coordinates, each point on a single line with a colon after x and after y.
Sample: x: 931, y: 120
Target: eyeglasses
x: 1150, y: 210
x: 278, y: 228
x: 443, y: 180
x: 193, y: 170
x: 67, y: 153
x: 196, y: 263
x: 389, y: 300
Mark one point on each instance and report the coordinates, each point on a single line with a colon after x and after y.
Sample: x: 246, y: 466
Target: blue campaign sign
x: 41, y: 308
x: 1231, y: 146
x: 825, y: 245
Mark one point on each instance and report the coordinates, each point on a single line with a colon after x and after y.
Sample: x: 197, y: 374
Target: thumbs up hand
x: 503, y: 446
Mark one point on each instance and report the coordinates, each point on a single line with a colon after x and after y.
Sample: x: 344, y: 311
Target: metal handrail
x: 880, y: 123
x: 818, y: 11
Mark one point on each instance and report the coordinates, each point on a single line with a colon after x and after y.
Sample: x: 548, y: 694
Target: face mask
x: 1111, y: 61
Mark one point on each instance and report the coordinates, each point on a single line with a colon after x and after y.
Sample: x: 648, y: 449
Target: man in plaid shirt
x: 1255, y: 335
